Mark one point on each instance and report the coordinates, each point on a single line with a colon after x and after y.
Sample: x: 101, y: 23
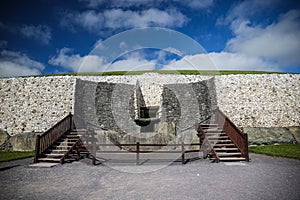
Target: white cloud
x: 93, y: 63
x: 278, y: 41
x: 17, y: 64
x: 197, y: 4
x: 77, y: 63
x: 117, y: 19
x: 40, y: 33
x: 194, y: 4
x: 131, y: 64
x: 221, y: 61
x: 65, y: 60
x: 247, y: 9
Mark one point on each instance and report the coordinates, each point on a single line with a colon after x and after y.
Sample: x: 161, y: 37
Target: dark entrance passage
x: 147, y: 118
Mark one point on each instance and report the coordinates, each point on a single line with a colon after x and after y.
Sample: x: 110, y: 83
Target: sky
x: 60, y: 36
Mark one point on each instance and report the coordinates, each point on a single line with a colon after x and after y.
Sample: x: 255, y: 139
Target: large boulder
x: 4, y: 141
x: 295, y: 130
x: 23, y: 142
x: 267, y: 136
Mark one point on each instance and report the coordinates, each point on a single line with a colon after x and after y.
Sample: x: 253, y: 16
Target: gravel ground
x: 262, y: 178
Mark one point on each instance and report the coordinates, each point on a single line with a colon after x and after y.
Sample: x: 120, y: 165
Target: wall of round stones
x: 269, y: 100
x: 34, y: 104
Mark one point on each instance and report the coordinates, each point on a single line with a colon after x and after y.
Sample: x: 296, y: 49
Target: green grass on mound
x: 285, y: 150
x: 15, y: 155
x: 183, y: 72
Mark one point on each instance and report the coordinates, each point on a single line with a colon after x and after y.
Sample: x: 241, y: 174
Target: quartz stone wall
x: 34, y: 104
x: 267, y: 100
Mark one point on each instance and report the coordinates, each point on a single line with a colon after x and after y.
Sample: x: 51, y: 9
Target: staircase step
x: 228, y: 154
x: 65, y: 143
x: 60, y: 150
x: 217, y: 137
x: 233, y: 159
x: 68, y: 139
x: 215, y: 133
x: 50, y: 159
x: 211, y: 125
x: 223, y: 141
x: 78, y: 130
x: 221, y: 145
x: 73, y: 136
x: 55, y: 154
x: 63, y: 146
x: 226, y: 149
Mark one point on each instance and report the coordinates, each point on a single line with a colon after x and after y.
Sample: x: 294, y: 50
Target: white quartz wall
x: 269, y: 100
x: 34, y: 104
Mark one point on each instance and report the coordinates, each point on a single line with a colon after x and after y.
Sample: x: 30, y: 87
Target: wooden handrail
x: 49, y: 137
x: 62, y: 160
x: 138, y: 150
x: 239, y: 138
x: 207, y: 143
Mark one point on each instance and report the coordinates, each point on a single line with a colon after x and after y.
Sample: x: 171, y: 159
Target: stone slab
x: 296, y: 133
x: 267, y: 136
x: 43, y: 165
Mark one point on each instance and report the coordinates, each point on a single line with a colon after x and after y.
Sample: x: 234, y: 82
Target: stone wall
x: 34, y: 104
x: 29, y: 106
x: 115, y: 107
x: 186, y: 104
x: 268, y: 100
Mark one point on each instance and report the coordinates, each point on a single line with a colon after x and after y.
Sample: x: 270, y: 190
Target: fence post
x: 137, y: 153
x: 246, y: 148
x: 71, y: 122
x: 182, y: 153
x: 37, y: 148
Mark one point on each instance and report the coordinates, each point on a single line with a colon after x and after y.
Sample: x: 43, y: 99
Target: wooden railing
x: 76, y: 146
x: 48, y: 138
x: 239, y: 138
x: 206, y: 146
x: 138, y: 150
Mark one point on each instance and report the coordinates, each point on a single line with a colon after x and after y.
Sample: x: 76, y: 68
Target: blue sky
x: 46, y: 37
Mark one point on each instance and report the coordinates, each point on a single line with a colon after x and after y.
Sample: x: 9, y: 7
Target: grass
x: 183, y: 72
x: 15, y: 155
x: 285, y: 150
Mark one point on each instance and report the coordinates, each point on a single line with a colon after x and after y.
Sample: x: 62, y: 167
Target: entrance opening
x: 147, y: 118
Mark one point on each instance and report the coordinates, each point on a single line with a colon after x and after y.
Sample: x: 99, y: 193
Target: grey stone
x: 3, y: 136
x: 23, y: 142
x: 264, y: 136
x: 295, y: 130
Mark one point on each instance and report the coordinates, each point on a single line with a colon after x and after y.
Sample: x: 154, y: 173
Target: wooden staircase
x: 61, y: 143
x: 223, y: 146
x: 222, y: 140
x: 66, y: 148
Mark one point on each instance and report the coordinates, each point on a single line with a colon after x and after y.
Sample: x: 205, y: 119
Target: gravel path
x: 262, y: 178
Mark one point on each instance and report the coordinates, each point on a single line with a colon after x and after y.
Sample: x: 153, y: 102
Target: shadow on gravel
x: 9, y: 167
